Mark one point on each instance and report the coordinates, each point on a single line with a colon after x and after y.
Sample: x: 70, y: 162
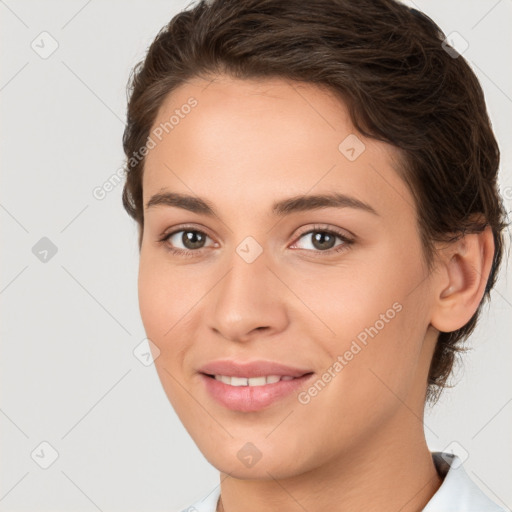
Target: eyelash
x: 347, y: 242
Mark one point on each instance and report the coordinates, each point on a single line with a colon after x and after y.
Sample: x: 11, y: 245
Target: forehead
x: 258, y: 92
x: 228, y: 111
x: 264, y: 138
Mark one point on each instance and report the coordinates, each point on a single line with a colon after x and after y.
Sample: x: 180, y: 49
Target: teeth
x: 253, y: 381
x: 256, y: 381
x: 238, y: 381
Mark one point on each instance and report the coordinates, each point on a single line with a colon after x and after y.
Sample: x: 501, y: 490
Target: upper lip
x: 251, y: 369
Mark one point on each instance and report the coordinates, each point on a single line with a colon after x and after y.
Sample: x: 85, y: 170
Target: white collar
x: 457, y: 493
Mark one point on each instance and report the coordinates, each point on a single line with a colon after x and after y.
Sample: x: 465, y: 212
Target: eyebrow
x: 280, y: 208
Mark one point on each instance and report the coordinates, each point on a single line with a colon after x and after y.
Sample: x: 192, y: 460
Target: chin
x: 245, y: 461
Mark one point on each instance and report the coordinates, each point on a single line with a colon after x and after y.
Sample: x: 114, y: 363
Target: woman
x: 315, y: 186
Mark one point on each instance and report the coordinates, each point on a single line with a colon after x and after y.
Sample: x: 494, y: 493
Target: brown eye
x: 192, y: 239
x: 186, y: 240
x: 323, y: 240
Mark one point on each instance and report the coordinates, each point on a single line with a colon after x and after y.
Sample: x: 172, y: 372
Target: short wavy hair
x: 390, y: 65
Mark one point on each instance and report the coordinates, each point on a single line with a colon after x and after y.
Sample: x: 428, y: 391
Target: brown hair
x: 388, y: 63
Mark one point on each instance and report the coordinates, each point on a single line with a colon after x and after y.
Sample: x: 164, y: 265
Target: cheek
x: 371, y: 367
x: 376, y: 324
x: 352, y: 301
x: 153, y: 288
x: 165, y: 300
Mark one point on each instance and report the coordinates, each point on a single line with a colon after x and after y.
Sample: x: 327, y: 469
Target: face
x: 255, y: 268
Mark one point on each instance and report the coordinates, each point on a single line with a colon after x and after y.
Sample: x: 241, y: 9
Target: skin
x: 359, y: 444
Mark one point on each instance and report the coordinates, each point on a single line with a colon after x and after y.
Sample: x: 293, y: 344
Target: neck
x: 391, y: 471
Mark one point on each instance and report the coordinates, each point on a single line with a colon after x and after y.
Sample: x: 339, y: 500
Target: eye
x: 191, y: 240
x: 324, y: 240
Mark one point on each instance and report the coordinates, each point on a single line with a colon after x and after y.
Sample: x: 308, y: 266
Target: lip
x: 258, y: 368
x: 251, y: 398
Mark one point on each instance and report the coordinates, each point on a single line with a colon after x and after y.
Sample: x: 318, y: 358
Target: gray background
x: 71, y: 322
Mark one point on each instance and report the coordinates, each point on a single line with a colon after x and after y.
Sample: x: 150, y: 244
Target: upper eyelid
x: 323, y: 227
x: 179, y: 229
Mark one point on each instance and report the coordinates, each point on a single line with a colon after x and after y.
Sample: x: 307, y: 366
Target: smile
x: 251, y: 381
x: 251, y: 394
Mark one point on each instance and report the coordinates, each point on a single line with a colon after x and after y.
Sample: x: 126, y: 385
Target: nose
x: 249, y: 301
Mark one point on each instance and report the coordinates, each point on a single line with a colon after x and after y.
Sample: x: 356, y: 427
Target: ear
x: 464, y: 267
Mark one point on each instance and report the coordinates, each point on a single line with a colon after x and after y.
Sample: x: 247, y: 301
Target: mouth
x: 263, y: 380
x: 233, y: 369
x: 252, y: 394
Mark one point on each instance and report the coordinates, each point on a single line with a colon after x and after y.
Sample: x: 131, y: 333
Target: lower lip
x: 251, y: 398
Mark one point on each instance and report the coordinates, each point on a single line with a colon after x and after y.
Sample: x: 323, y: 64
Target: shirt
x: 457, y: 493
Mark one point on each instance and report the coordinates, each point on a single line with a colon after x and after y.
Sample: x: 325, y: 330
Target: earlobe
x: 460, y: 283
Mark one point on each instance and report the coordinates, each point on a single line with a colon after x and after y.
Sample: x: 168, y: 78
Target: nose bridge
x: 246, y: 299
